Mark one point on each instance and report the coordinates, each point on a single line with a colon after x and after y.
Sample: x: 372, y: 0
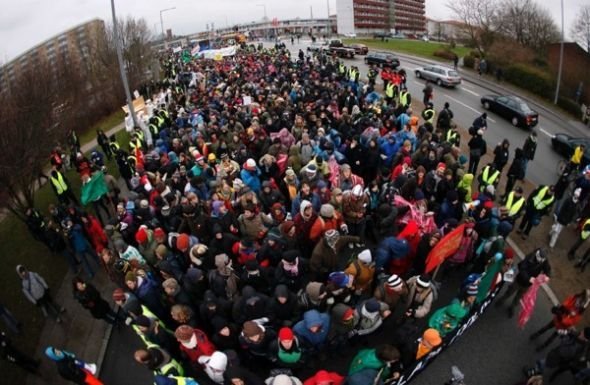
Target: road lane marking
x: 471, y: 92
x: 546, y: 132
x: 469, y: 107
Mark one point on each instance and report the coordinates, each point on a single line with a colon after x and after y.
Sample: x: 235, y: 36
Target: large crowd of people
x: 278, y: 213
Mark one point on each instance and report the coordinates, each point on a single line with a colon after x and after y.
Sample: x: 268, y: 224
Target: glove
x: 352, y: 333
x: 330, y: 301
x: 344, y: 228
x: 128, y: 321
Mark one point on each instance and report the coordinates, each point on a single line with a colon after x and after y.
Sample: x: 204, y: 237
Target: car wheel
x: 439, y: 82
x: 486, y: 105
x: 515, y: 121
x: 418, y: 74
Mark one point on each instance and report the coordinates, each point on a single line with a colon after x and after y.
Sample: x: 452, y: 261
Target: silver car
x: 442, y: 76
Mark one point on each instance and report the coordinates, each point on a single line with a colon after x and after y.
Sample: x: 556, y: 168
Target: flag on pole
x: 444, y: 248
x: 94, y: 188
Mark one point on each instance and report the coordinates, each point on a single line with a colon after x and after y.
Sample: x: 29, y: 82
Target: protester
x: 37, y: 291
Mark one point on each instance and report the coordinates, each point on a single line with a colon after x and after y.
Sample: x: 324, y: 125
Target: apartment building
x: 365, y: 17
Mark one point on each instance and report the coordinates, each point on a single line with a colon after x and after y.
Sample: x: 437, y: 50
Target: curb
x: 555, y: 117
x: 103, y: 349
x: 546, y: 288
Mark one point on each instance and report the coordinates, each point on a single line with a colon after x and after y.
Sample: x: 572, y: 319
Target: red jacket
x: 204, y: 347
x: 323, y: 377
x: 569, y: 315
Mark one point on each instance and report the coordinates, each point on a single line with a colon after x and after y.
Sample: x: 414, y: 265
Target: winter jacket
x: 313, y: 318
x: 325, y: 378
x: 391, y: 297
x: 446, y: 319
x: 420, y: 303
x: 365, y: 359
x: 324, y: 259
x: 531, y: 268
x: 390, y: 248
x: 204, y: 347
x: 34, y: 287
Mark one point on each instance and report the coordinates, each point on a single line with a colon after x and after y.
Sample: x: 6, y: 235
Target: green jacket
x: 366, y: 359
x: 446, y: 319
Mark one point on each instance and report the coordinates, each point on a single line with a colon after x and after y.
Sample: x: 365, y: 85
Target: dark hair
x: 387, y: 353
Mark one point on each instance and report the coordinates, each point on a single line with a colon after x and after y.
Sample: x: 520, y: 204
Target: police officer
x: 390, y: 91
x: 405, y: 98
x: 61, y: 187
x: 159, y: 361
x: 538, y: 204
x: 489, y: 177
x: 372, y: 75
x: 429, y: 113
x: 514, y: 206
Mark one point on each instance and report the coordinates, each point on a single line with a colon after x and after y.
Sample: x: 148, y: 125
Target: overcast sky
x: 25, y: 23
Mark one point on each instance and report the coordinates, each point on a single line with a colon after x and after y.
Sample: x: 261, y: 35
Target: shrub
x: 468, y: 61
x: 445, y: 53
x: 530, y: 78
x: 570, y: 106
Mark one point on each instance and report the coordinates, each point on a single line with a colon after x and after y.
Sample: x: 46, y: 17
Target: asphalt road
x: 494, y: 350
x: 466, y: 106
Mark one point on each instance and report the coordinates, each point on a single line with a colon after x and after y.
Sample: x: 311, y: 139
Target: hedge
x: 445, y: 54
x: 468, y: 61
x: 531, y: 79
x: 570, y: 106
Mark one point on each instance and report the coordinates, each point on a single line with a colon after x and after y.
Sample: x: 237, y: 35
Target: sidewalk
x: 488, y: 82
x: 79, y: 332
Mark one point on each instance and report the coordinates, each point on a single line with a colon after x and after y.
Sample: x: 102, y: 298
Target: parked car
x: 441, y: 75
x: 512, y: 108
x: 382, y: 59
x: 315, y: 47
x: 360, y: 49
x: 565, y: 145
x: 351, y: 35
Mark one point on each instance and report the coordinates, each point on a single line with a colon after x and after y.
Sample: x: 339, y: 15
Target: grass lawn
x: 19, y: 247
x: 105, y: 123
x: 413, y: 47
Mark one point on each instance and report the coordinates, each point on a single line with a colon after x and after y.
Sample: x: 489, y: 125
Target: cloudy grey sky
x: 24, y: 23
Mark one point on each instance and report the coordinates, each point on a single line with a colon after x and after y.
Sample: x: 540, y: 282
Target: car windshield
x: 453, y: 74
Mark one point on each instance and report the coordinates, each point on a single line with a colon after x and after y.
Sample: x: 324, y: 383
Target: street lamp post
x: 122, y: 67
x: 560, y: 57
x: 265, y: 20
x: 162, y: 20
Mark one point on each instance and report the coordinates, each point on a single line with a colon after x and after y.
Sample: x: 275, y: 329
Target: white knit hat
x: 394, y: 281
x: 365, y: 256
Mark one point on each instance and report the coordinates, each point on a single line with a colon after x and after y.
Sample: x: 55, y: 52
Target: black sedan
x: 382, y: 59
x: 565, y: 145
x: 512, y: 108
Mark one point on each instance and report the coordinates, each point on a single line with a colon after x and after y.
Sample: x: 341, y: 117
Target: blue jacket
x: 79, y: 242
x: 251, y: 179
x: 389, y: 149
x: 390, y: 248
x: 313, y: 318
x: 316, y: 203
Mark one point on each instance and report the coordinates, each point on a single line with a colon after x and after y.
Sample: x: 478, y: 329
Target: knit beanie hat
x: 161, y: 250
x: 130, y: 276
x: 423, y: 281
x: 286, y: 334
x: 432, y: 336
x: 53, y: 355
x: 184, y: 333
x: 471, y: 290
x: 251, y: 329
x: 141, y: 235
x: 339, y: 278
x: 394, y: 281
x: 159, y: 232
x: 170, y: 283
x: 372, y: 305
x: 365, y: 256
x: 182, y: 242
x: 327, y: 210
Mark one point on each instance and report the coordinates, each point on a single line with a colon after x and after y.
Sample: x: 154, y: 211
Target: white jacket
x: 34, y: 287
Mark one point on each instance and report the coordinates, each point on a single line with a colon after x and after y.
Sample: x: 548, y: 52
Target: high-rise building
x: 381, y: 16
x: 69, y: 48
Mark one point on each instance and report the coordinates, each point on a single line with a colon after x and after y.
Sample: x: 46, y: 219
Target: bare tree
x: 581, y: 28
x: 29, y: 121
x: 528, y: 23
x: 480, y: 20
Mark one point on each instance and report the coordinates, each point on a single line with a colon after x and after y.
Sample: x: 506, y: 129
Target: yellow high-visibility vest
x: 489, y: 179
x: 59, y: 183
x: 403, y: 98
x: 539, y: 202
x: 389, y: 90
x: 512, y: 205
x: 585, y: 234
